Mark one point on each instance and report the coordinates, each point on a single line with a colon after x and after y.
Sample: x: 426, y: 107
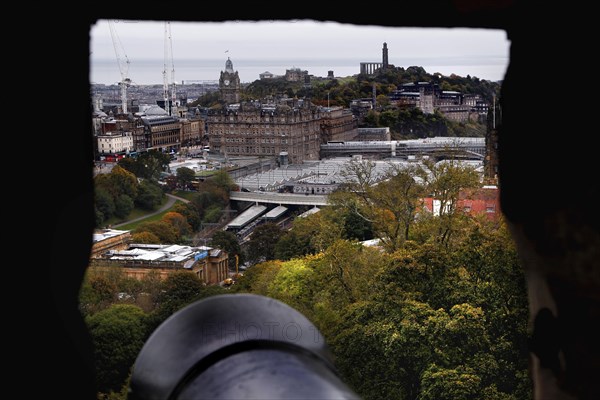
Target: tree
x: 222, y: 180
x: 152, y: 286
x: 357, y: 228
x: 179, y: 289
x: 152, y: 163
x: 185, y: 176
x: 440, y: 383
x: 293, y: 285
x: 190, y: 212
x: 149, y: 195
x: 319, y: 230
x: 145, y: 237
x: 444, y: 181
x: 227, y: 241
x: 123, y: 206
x: 262, y: 242
x: 122, y: 182
x: 293, y: 244
x: 178, y: 222
x: 118, y: 334
x: 103, y: 203
x: 389, y: 207
x: 165, y: 232
x: 398, y: 196
x: 97, y: 293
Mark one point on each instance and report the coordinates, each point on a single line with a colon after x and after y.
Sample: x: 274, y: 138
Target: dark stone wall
x: 548, y: 176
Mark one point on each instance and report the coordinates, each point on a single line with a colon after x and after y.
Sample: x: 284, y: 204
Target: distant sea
x: 148, y: 72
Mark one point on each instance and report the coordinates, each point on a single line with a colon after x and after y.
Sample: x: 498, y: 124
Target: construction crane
x: 123, y: 62
x: 170, y: 96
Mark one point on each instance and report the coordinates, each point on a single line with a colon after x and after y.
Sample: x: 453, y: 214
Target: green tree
x: 123, y: 206
x: 262, y: 242
x: 293, y: 285
x: 389, y: 207
x: 149, y: 196
x: 228, y: 241
x: 445, y: 180
x: 185, y: 176
x: 440, y: 383
x: 97, y: 293
x: 357, y: 228
x: 104, y: 203
x: 118, y: 334
x: 212, y: 214
x: 152, y: 163
x: 293, y: 244
x: 222, y: 180
x: 178, y: 290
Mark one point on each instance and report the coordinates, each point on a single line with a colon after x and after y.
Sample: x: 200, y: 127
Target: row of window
x: 255, y: 150
x: 255, y: 140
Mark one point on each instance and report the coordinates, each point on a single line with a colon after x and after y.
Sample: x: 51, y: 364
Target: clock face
x: 226, y: 82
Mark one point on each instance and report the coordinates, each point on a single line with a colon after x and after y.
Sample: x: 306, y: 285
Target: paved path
x: 172, y: 199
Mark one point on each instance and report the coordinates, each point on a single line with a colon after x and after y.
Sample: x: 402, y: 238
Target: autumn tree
x: 178, y: 222
x: 97, y: 293
x: 445, y: 180
x: 163, y: 230
x: 145, y: 237
x: 388, y: 202
x: 190, y: 212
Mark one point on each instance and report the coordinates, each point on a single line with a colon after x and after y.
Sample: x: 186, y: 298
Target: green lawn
x: 138, y: 213
x: 185, y: 194
x: 157, y: 217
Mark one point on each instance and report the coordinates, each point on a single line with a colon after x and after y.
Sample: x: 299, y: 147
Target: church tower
x: 229, y: 84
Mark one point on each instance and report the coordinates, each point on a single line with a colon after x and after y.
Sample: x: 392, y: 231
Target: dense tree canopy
x: 118, y: 334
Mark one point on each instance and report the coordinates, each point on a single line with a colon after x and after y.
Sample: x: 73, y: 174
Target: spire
x: 229, y: 66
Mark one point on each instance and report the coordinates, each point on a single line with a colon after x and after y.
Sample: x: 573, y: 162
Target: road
x: 172, y: 199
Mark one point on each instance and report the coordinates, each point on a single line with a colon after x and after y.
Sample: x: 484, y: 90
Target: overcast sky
x: 305, y: 40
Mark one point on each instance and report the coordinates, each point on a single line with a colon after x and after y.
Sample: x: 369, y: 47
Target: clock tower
x: 229, y: 84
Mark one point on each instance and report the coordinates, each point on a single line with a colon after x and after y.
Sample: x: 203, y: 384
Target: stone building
x: 265, y: 130
x: 338, y: 124
x: 104, y: 240
x: 161, y: 131
x: 138, y: 260
x: 295, y: 75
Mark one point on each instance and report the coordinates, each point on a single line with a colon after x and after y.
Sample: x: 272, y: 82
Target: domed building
x: 155, y: 110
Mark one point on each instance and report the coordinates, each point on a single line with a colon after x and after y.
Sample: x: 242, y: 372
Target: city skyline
x: 477, y: 52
